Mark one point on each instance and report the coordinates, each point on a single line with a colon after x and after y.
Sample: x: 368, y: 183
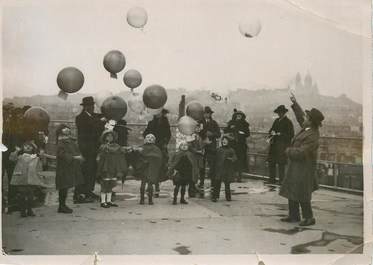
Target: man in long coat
x: 281, y: 134
x: 301, y: 180
x: 90, y: 126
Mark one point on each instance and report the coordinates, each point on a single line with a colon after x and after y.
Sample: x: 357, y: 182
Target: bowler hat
x: 87, y: 101
x: 208, y: 110
x: 315, y: 116
x: 281, y: 109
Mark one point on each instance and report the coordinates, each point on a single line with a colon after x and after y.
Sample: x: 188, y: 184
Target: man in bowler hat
x: 280, y: 136
x: 90, y: 126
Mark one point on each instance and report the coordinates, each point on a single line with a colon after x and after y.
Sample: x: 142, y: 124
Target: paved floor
x: 248, y: 224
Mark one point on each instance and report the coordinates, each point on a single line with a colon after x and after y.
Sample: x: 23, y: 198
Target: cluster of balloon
x: 114, y: 62
x: 137, y: 17
x: 187, y: 125
x: 114, y: 108
x: 136, y: 104
x: 69, y: 80
x: 251, y: 28
x: 195, y: 110
x: 132, y: 79
x: 154, y: 97
x: 37, y: 119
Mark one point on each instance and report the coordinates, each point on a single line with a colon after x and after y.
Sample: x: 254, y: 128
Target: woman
x: 240, y: 129
x: 300, y: 180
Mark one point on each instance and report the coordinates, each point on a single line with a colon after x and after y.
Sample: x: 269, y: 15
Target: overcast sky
x: 186, y: 43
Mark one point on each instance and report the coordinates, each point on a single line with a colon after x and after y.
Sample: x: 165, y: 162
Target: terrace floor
x: 248, y: 224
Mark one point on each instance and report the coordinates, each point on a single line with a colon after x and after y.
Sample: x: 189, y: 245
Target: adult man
x: 211, y: 132
x: 90, y: 125
x: 160, y: 128
x: 300, y: 180
x: 280, y: 135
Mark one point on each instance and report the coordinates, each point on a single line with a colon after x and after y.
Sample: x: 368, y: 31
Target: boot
x: 23, y: 212
x: 150, y: 194
x: 142, y: 195
x: 64, y: 209
x: 30, y: 212
x: 175, y: 201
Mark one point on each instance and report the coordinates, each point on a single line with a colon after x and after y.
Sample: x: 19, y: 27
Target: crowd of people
x: 101, y: 154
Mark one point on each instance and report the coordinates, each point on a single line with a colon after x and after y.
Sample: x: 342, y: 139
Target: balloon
x: 195, y: 110
x: 114, y: 108
x: 136, y: 104
x: 114, y: 62
x: 187, y: 125
x: 251, y: 28
x: 37, y: 118
x: 154, y: 97
x: 69, y: 80
x: 132, y: 78
x: 137, y: 17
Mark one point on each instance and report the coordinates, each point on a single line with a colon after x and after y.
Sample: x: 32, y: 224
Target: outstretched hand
x: 292, y: 98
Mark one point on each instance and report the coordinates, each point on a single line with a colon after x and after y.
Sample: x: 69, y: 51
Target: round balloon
x: 154, y: 97
x: 195, y: 110
x: 251, y: 28
x: 136, y: 104
x: 70, y: 79
x: 114, y: 62
x: 187, y: 125
x: 137, y: 17
x: 38, y: 118
x: 114, y: 108
x: 132, y: 78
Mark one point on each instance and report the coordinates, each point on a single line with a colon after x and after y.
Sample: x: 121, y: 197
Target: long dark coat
x: 147, y: 163
x: 68, y: 171
x: 279, y: 143
x: 184, y: 162
x: 160, y: 128
x: 210, y: 130
x: 240, y: 129
x: 225, y: 159
x: 301, y: 180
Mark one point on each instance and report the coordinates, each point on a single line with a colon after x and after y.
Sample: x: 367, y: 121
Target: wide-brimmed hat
x: 315, y: 116
x: 87, y: 101
x: 208, y: 110
x: 281, y: 109
x: 106, y: 132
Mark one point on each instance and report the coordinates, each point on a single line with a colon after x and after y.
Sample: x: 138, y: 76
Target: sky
x: 186, y: 44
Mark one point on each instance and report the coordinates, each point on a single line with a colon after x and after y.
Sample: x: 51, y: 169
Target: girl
x: 25, y: 176
x: 112, y: 164
x: 225, y: 159
x: 68, y: 171
x: 182, y: 162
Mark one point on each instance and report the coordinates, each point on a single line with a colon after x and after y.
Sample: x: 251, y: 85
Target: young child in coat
x: 225, y: 159
x: 112, y: 164
x: 25, y: 176
x: 182, y: 163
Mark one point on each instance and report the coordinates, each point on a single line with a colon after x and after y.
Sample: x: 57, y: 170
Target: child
x: 112, y: 164
x: 25, y: 176
x: 197, y: 149
x: 225, y: 158
x: 182, y: 162
x: 68, y: 171
x: 148, y: 166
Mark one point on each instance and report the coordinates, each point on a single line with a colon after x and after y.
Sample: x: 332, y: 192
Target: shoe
x: 228, y: 199
x: 151, y: 202
x: 288, y: 219
x: 142, y: 201
x: 174, y: 202
x: 156, y: 195
x: 183, y: 201
x: 308, y: 222
x: 105, y: 205
x: 64, y: 209
x: 23, y: 213
x: 112, y: 204
x: 30, y: 213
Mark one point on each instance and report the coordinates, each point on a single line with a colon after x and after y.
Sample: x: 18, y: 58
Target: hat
x: 208, y: 110
x: 281, y: 109
x: 87, y: 101
x: 106, y: 132
x: 315, y: 116
x: 238, y: 112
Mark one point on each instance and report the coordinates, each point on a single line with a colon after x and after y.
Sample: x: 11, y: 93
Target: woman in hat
x: 280, y: 136
x: 240, y: 130
x: 300, y: 180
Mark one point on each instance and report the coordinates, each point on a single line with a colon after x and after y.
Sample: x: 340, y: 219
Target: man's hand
x: 292, y: 98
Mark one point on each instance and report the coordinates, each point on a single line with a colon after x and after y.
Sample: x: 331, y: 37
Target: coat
x: 90, y: 128
x: 26, y: 171
x: 225, y: 159
x: 112, y: 162
x: 68, y: 170
x: 279, y: 143
x: 160, y: 127
x: 210, y: 130
x: 301, y: 180
x: 148, y: 163
x: 184, y: 163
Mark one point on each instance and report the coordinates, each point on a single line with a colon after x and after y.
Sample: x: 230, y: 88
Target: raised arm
x: 298, y: 111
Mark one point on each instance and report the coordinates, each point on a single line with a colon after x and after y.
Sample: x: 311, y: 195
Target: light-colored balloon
x: 137, y: 17
x: 250, y: 28
x: 136, y: 104
x: 187, y: 125
x: 195, y: 110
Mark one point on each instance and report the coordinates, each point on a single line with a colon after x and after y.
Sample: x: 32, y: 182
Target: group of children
x: 113, y: 159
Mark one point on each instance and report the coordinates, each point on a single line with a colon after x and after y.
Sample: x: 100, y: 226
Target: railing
x: 339, y: 165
